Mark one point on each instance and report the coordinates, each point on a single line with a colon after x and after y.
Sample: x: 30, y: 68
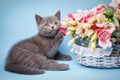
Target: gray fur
x: 36, y: 54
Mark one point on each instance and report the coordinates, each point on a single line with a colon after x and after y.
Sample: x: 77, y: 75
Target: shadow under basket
x: 99, y: 58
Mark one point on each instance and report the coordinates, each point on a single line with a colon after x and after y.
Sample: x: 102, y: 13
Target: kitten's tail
x: 23, y: 69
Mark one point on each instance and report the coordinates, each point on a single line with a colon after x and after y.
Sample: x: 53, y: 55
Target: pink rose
x: 104, y: 35
x: 100, y: 9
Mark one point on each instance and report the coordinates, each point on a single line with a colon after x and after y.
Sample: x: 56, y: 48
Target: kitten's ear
x: 58, y: 14
x: 38, y: 19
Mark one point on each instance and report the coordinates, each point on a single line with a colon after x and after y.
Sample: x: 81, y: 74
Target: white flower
x: 79, y: 32
x: 64, y: 23
x: 110, y: 27
x: 115, y: 3
x: 93, y: 10
x: 100, y: 20
x: 79, y: 11
x: 86, y: 25
x: 89, y: 32
x: 67, y: 19
x: 106, y: 44
x: 85, y: 12
x: 78, y: 15
x: 92, y: 19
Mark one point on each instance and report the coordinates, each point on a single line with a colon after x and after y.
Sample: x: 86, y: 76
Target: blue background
x: 17, y: 22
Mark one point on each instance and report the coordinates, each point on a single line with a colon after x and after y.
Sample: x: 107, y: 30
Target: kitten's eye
x: 46, y: 24
x: 56, y: 23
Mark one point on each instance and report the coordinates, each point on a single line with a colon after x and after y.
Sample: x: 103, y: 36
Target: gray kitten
x: 34, y: 55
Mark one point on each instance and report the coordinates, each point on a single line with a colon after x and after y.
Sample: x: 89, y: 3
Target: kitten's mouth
x: 53, y: 32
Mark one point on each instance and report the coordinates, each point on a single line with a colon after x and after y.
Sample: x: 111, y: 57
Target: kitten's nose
x: 52, y: 27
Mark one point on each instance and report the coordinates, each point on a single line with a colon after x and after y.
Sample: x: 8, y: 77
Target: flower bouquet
x: 95, y: 35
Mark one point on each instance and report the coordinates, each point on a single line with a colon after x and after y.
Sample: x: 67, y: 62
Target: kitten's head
x: 48, y: 26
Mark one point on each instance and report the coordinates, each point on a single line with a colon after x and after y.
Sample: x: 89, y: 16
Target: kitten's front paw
x: 59, y: 35
x: 63, y: 67
x: 52, y: 61
x: 50, y: 65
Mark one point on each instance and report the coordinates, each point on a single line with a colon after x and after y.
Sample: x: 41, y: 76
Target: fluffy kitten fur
x: 34, y: 55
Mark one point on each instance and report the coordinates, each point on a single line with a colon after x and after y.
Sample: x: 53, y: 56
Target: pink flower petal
x: 119, y: 7
x: 71, y: 16
x: 105, y: 36
x: 99, y: 31
x: 63, y: 30
x: 100, y: 9
x: 106, y: 44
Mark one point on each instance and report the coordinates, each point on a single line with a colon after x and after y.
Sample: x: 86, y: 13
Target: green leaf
x: 108, y: 13
x: 116, y: 21
x: 116, y: 34
x: 113, y: 39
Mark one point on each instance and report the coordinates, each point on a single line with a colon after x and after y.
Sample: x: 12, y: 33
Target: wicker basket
x: 100, y: 58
